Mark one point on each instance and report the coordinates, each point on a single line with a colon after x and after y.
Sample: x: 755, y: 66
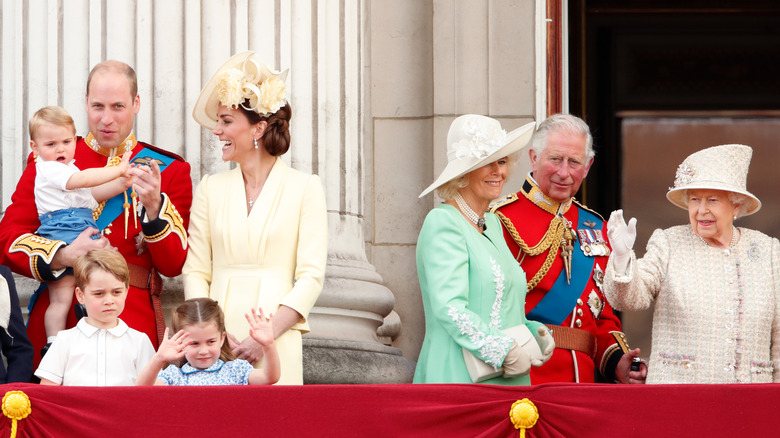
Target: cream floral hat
x: 722, y: 167
x: 241, y: 77
x: 474, y: 141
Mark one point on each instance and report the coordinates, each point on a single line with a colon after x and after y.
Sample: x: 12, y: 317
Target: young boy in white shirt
x: 101, y: 350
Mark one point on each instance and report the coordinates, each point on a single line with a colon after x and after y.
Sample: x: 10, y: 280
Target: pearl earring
x: 735, y: 218
x: 256, y: 146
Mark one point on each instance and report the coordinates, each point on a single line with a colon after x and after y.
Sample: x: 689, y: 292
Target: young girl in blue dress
x: 199, y: 354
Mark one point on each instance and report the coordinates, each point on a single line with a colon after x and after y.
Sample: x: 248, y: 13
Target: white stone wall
x: 431, y: 61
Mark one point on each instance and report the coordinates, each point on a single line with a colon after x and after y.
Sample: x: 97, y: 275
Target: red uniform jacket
x: 162, y: 246
x: 530, y: 213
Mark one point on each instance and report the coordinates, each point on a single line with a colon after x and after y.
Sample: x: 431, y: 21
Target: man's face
x: 111, y: 109
x: 561, y: 167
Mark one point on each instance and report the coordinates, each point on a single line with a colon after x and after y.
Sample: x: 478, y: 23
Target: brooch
x: 598, y: 277
x: 595, y: 303
x: 753, y: 252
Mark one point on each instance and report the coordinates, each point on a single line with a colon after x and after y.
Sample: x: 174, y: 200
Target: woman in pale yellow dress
x: 258, y: 233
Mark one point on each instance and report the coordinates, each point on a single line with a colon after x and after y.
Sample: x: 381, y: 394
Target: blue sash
x: 115, y: 206
x: 558, y: 302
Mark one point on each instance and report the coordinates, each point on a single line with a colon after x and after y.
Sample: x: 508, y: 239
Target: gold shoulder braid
x: 558, y: 235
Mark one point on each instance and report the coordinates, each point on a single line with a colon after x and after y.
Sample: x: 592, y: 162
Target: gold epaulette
x: 502, y: 201
x: 585, y: 207
x: 174, y: 223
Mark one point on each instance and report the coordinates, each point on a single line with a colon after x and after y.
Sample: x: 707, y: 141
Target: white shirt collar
x: 88, y: 329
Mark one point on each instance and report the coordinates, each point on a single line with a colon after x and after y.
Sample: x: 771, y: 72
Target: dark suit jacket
x: 17, y: 349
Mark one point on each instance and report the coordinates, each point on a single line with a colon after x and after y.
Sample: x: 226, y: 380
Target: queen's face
x: 712, y: 215
x: 486, y: 182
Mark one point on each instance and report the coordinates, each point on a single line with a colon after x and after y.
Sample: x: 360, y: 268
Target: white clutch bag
x: 479, y: 371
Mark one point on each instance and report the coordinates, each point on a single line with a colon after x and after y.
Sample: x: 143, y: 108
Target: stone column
x: 345, y: 344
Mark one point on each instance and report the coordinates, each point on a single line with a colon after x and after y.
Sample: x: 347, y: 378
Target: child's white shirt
x: 51, y: 178
x: 88, y: 356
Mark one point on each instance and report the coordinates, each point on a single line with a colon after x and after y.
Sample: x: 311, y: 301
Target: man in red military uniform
x: 562, y: 247
x: 146, y: 224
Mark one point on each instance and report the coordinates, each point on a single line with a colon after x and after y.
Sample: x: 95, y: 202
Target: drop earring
x: 256, y: 146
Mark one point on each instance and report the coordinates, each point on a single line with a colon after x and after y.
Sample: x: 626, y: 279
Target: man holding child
x: 146, y: 224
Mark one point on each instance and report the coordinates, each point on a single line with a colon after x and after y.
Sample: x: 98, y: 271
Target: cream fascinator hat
x: 717, y: 168
x: 474, y: 141
x: 241, y: 77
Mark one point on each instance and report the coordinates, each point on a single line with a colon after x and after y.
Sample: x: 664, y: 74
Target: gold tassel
x: 126, y: 207
x: 134, y: 195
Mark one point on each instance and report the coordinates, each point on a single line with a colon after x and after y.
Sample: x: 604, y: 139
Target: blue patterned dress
x: 235, y: 372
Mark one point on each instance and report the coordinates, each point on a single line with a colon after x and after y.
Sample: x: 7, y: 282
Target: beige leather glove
x: 546, y: 345
x: 517, y: 362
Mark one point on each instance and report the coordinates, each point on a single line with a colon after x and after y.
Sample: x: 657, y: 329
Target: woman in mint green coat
x: 472, y: 288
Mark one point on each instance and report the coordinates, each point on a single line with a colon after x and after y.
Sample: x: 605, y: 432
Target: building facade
x: 374, y: 85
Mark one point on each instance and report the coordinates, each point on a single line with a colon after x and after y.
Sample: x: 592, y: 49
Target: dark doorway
x: 659, y: 79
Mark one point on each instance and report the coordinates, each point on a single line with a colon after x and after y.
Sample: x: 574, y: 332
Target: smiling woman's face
x: 486, y: 182
x: 712, y: 215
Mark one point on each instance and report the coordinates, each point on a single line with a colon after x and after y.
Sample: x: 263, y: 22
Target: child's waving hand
x: 262, y: 327
x: 173, y: 349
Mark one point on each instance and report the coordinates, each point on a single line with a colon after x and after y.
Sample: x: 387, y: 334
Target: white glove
x: 622, y: 238
x: 517, y: 362
x: 546, y: 345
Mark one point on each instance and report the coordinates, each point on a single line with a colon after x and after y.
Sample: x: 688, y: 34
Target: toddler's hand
x: 262, y: 327
x: 127, y: 178
x: 125, y: 165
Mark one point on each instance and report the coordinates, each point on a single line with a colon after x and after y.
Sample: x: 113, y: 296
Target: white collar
x: 88, y: 329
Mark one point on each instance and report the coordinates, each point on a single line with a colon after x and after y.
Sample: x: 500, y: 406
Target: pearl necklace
x: 734, y: 237
x: 469, y: 212
x: 732, y: 245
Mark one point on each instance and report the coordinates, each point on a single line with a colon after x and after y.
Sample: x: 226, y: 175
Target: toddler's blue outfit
x: 67, y: 224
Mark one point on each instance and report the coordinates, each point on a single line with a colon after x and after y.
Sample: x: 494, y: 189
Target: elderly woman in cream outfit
x: 715, y: 286
x: 258, y: 233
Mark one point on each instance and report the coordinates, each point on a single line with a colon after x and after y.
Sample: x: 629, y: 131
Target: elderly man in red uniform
x: 146, y: 224
x: 562, y: 247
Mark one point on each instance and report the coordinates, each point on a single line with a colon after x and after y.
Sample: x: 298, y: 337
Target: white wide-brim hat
x: 474, y: 141
x: 722, y: 167
x: 247, y: 78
